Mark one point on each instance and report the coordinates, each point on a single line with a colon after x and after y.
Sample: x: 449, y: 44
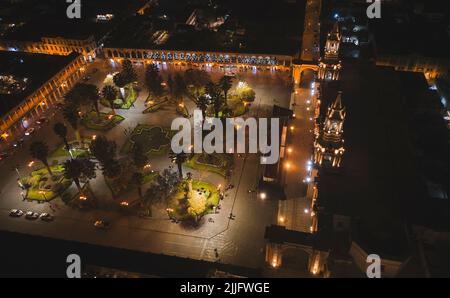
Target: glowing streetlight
x: 263, y: 195
x: 94, y: 137
x: 287, y: 165
x: 289, y: 150
x: 292, y: 128
x: 281, y: 219
x: 306, y: 211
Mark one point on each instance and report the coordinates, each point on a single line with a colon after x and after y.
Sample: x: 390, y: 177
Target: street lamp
x: 263, y: 195
x: 43, y: 194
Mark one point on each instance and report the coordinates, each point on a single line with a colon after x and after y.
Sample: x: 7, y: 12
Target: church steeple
x: 329, y: 145
x: 333, y: 42
x: 329, y: 65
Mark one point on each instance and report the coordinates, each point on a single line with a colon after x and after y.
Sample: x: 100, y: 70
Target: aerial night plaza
x: 224, y: 138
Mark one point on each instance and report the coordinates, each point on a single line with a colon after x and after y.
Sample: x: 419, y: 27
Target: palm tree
x: 179, y: 89
x: 216, y: 98
x: 78, y: 168
x: 71, y: 114
x: 170, y: 84
x: 178, y: 159
x: 152, y: 195
x: 153, y: 80
x: 91, y: 94
x: 111, y: 169
x: 137, y: 179
x: 110, y: 94
x: 103, y: 149
x: 61, y: 131
x: 120, y: 81
x: 225, y: 83
x: 105, y: 152
x: 128, y: 72
x: 197, y: 79
x: 202, y: 103
x: 140, y: 159
x: 39, y: 150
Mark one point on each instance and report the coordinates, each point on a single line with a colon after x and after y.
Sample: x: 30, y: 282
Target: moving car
x: 31, y: 215
x: 46, y: 217
x: 16, y: 213
x: 101, y: 224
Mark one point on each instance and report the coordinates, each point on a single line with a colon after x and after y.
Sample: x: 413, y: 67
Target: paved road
x: 311, y: 35
x: 239, y: 241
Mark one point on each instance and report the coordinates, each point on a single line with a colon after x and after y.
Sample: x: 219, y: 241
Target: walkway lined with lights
x: 294, y: 212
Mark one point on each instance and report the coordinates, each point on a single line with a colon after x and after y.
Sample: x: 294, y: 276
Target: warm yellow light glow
x: 125, y: 204
x: 287, y: 165
x: 289, y: 150
x: 110, y: 117
x: 274, y: 263
x: 263, y: 195
x: 31, y: 163
x: 281, y: 219
x: 83, y: 198
x: 5, y: 135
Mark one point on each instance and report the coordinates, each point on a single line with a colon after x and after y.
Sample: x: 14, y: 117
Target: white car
x: 16, y: 213
x: 31, y: 215
x: 46, y: 217
x: 29, y: 131
x: 101, y: 224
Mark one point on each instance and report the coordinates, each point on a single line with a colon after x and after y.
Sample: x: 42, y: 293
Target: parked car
x: 3, y: 156
x: 46, y: 217
x: 19, y: 143
x: 42, y: 121
x: 31, y: 215
x: 29, y: 131
x: 16, y: 213
x: 101, y: 224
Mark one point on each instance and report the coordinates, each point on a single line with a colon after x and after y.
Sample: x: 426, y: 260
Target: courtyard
x: 238, y: 238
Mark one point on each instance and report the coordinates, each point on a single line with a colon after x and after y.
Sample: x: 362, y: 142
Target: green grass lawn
x: 150, y: 176
x: 155, y: 107
x: 105, y: 122
x: 182, y: 209
x: 76, y: 152
x: 237, y: 106
x: 220, y: 168
x: 153, y: 139
x: 45, y: 188
x: 131, y: 97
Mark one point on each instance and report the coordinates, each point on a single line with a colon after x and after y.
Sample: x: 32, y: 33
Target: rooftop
x: 35, y: 68
x: 276, y: 28
x: 379, y: 183
x: 411, y: 33
x: 47, y: 18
